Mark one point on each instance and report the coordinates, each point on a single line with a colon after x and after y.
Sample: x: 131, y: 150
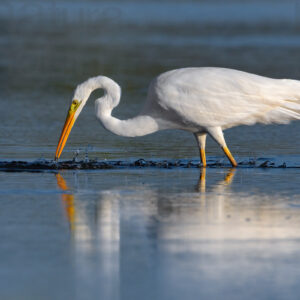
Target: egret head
x: 73, y: 113
x: 81, y: 95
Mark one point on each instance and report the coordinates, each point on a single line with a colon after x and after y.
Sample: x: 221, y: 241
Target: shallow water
x: 143, y: 231
x: 160, y: 234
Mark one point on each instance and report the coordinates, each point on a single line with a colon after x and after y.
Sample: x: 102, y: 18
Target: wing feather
x: 223, y: 97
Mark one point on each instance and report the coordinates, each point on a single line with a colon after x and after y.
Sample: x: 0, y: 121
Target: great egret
x: 199, y: 100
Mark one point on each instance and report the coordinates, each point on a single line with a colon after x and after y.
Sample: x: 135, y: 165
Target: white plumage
x: 224, y: 97
x: 200, y: 100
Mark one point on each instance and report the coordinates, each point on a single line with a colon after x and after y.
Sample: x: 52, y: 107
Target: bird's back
x: 221, y: 97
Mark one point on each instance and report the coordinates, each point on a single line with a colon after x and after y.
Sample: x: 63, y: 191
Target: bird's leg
x: 217, y: 134
x: 201, y: 140
x: 229, y: 156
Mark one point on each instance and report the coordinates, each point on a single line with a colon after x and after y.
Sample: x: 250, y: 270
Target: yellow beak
x: 70, y: 120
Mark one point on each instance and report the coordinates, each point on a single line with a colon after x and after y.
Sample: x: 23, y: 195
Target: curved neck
x: 137, y: 126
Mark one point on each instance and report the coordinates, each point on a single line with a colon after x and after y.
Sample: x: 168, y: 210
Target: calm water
x: 149, y: 233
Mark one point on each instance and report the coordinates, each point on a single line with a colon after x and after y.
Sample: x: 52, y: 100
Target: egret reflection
x: 157, y: 208
x: 121, y: 232
x: 201, y: 186
x: 100, y: 235
x: 80, y: 224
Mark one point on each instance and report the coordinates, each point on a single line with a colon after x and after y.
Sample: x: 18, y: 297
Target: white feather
x: 205, y: 97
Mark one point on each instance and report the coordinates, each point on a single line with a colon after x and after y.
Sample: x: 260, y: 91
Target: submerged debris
x: 87, y: 164
x: 267, y: 164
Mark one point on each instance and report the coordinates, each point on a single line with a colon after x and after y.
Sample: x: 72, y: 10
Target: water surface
x: 150, y: 234
x: 143, y: 233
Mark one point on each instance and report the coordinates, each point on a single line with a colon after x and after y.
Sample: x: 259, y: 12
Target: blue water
x: 160, y: 234
x: 136, y: 231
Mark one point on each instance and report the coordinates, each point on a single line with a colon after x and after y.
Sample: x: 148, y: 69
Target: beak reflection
x: 67, y: 200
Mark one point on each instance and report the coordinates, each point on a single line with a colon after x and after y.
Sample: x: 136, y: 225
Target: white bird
x: 199, y: 100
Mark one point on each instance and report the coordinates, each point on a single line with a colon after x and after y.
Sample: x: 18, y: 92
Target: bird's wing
x: 225, y: 97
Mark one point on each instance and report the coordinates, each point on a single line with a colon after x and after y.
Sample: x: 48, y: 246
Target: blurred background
x: 48, y: 47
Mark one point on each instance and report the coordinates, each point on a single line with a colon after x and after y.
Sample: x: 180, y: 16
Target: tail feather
x: 294, y: 106
x: 283, y: 114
